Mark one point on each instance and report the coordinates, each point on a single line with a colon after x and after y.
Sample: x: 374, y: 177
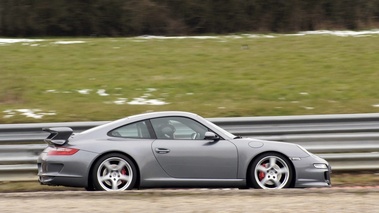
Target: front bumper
x: 307, y: 175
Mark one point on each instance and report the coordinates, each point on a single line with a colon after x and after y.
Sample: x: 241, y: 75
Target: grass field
x: 109, y: 78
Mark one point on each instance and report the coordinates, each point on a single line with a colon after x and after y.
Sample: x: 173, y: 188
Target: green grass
x: 286, y: 75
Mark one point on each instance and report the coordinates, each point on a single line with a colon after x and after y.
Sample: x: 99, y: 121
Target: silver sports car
x: 173, y: 149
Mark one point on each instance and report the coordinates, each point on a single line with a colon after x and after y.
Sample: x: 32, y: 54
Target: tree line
x: 20, y: 18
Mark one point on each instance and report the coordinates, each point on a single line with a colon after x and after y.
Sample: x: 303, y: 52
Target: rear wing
x: 58, y: 135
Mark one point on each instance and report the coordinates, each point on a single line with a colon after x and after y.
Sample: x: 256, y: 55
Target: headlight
x: 320, y: 165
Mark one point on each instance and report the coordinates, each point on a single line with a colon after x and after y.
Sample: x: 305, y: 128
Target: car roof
x: 143, y: 116
x: 160, y: 114
x: 103, y: 129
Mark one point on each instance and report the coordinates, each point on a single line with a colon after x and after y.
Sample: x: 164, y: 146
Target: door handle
x: 162, y: 150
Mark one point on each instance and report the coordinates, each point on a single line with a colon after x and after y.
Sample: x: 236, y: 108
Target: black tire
x: 271, y: 171
x: 114, y: 172
x: 89, y: 188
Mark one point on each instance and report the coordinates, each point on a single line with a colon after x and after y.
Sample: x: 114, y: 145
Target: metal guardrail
x: 350, y: 142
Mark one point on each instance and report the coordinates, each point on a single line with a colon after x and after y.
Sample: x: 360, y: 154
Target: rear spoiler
x: 58, y: 135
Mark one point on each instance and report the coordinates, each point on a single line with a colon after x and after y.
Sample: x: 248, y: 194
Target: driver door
x: 188, y: 155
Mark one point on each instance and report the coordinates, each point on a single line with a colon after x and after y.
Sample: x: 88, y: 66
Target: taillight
x: 62, y: 151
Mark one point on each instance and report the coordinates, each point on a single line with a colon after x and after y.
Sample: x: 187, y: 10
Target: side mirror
x: 211, y: 136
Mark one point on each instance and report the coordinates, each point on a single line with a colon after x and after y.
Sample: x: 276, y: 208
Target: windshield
x: 230, y: 135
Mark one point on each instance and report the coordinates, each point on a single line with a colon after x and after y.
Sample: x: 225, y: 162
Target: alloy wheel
x: 115, y: 174
x: 272, y: 172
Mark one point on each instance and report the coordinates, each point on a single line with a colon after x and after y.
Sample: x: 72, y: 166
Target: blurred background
x: 99, y: 60
x: 181, y: 17
x: 105, y: 59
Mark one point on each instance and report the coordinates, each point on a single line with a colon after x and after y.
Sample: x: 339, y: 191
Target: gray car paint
x: 202, y: 163
x: 197, y: 158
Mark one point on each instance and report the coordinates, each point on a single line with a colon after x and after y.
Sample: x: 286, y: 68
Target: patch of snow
x: 151, y: 89
x: 146, y: 95
x: 342, y: 33
x: 259, y: 36
x: 102, y: 92
x: 298, y: 34
x: 308, y: 108
x: 375, y: 105
x: 84, y: 91
x: 120, y: 101
x: 9, y: 113
x: 177, y: 37
x: 29, y: 113
x: 233, y: 36
x: 69, y: 42
x: 138, y: 40
x: 304, y: 93
x: 143, y: 101
x: 17, y: 40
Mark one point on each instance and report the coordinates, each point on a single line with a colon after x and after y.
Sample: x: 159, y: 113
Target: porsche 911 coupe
x: 173, y: 149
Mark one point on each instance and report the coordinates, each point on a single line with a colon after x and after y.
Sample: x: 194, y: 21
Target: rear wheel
x: 271, y: 171
x: 114, y: 172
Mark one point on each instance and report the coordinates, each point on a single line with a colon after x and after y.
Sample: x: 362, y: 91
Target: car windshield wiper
x: 237, y: 137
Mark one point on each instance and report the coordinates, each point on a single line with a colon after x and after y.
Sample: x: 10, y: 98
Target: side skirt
x: 192, y: 183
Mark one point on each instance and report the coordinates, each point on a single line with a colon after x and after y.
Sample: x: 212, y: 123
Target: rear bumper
x: 62, y: 181
x: 70, y: 170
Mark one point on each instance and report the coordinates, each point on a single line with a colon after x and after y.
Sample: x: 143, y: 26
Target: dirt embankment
x: 195, y: 200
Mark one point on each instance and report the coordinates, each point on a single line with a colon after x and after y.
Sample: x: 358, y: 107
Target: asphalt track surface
x: 353, y: 199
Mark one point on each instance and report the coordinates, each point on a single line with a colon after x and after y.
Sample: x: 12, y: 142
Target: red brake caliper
x: 261, y: 174
x: 123, y: 172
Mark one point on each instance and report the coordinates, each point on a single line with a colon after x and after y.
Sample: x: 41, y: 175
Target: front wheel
x: 114, y: 172
x: 271, y: 171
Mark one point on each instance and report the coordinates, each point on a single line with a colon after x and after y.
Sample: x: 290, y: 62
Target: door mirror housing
x: 211, y: 136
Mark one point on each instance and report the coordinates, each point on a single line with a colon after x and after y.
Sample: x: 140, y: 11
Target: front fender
x: 249, y: 149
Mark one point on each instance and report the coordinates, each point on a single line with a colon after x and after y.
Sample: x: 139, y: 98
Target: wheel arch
x: 137, y: 184
x: 249, y: 167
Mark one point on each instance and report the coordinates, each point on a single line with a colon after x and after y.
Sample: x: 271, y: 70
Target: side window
x: 178, y: 128
x: 135, y: 130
